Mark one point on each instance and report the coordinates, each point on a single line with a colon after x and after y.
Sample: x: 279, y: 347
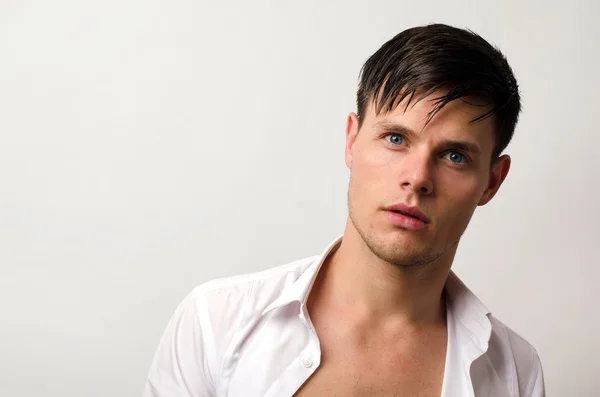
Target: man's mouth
x: 406, y: 221
x: 408, y: 211
x: 405, y: 214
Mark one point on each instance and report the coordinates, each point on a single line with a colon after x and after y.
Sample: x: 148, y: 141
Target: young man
x: 378, y: 313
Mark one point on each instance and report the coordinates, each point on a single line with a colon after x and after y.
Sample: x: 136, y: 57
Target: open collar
x: 470, y: 315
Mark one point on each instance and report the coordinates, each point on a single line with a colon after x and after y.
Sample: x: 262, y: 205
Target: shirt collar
x: 469, y: 314
x: 299, y: 290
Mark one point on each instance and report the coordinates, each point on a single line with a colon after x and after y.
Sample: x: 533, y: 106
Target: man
x: 379, y: 313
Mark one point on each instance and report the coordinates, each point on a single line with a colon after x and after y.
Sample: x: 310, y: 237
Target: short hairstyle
x: 422, y: 60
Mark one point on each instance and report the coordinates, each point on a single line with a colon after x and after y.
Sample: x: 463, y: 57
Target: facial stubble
x: 397, y: 256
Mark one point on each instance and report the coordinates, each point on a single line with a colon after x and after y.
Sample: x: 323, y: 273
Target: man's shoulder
x: 505, y: 337
x: 511, y: 353
x: 258, y: 288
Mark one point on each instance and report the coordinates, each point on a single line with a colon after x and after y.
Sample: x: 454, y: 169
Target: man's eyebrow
x: 465, y: 146
x: 394, y: 128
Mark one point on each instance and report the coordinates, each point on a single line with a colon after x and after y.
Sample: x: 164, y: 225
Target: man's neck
x: 369, y: 289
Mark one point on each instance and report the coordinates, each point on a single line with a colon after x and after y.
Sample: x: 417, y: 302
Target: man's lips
x: 406, y: 210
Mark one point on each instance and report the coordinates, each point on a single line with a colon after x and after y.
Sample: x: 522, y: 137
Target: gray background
x: 148, y: 146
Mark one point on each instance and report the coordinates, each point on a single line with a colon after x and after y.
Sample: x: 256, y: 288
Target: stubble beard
x: 396, y: 255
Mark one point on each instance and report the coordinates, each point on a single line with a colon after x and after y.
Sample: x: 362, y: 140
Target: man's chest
x: 339, y: 380
x: 380, y: 370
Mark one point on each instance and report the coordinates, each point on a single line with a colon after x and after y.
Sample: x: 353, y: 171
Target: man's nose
x: 417, y: 173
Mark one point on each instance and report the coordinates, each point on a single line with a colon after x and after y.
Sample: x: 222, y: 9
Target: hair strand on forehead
x: 421, y: 61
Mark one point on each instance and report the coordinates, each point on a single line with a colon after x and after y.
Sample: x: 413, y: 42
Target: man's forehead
x: 464, y: 113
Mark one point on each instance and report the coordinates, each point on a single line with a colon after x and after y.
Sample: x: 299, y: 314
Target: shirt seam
x: 204, y: 318
x: 235, y: 339
x: 536, y: 370
x: 253, y: 278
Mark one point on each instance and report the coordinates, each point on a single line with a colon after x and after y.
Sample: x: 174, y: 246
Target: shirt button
x: 307, y: 362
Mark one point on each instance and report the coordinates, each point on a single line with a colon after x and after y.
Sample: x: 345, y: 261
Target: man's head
x: 436, y: 107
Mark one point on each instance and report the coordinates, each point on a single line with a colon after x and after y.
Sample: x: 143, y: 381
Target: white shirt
x: 251, y: 335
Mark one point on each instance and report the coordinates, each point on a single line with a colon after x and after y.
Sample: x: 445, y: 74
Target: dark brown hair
x: 422, y: 60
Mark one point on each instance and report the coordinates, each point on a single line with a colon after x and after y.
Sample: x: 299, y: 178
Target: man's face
x: 414, y: 187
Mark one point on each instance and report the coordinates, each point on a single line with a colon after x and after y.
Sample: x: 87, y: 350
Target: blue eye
x: 395, y: 139
x: 456, y: 157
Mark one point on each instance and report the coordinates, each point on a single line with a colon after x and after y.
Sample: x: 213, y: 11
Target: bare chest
x: 354, y: 379
x: 414, y: 368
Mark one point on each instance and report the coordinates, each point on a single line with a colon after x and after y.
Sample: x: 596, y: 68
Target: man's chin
x: 408, y: 238
x: 404, y: 251
x: 406, y: 260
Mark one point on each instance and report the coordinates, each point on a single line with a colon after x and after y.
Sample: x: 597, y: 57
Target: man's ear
x: 497, y: 176
x: 351, y: 133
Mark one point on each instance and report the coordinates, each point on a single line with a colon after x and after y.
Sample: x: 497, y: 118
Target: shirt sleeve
x: 537, y: 384
x: 180, y: 367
